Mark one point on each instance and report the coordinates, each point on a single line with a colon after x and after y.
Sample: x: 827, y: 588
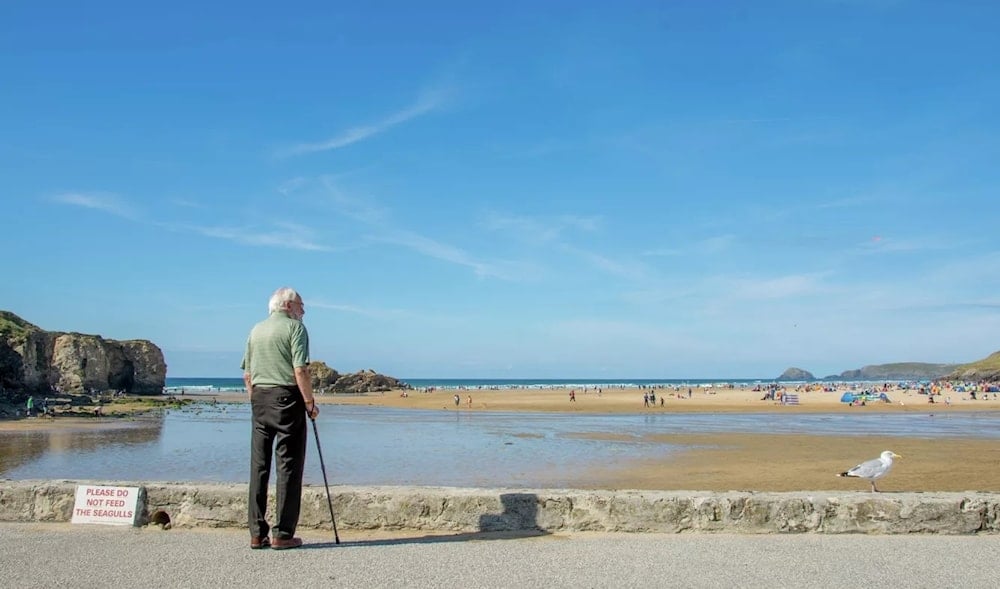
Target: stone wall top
x: 544, y: 510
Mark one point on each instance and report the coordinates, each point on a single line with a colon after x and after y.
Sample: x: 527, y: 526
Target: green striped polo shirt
x: 275, y: 347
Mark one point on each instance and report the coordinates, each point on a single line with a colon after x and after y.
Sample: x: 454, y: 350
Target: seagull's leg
x: 874, y: 488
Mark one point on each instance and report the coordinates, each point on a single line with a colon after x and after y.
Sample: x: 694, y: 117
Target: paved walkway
x: 62, y: 555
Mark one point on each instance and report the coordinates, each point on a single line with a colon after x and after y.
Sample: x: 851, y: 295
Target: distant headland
x: 987, y: 369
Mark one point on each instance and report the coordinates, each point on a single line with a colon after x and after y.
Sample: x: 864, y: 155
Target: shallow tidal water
x: 381, y: 446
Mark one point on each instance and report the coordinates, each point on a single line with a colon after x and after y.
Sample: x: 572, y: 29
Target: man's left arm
x: 304, y: 381
x: 245, y: 365
x: 300, y: 361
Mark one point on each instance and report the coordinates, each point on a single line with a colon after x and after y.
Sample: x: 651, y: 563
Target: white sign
x: 106, y: 505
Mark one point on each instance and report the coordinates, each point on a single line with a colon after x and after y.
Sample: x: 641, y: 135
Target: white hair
x: 280, y: 297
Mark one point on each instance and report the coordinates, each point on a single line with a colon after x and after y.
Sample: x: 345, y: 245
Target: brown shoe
x: 285, y: 543
x: 258, y: 542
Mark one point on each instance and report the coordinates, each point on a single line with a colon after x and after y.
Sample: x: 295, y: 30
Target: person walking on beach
x: 276, y: 374
x: 30, y: 406
x: 457, y: 399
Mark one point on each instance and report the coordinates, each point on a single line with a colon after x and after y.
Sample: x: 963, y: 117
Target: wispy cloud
x: 990, y: 307
x: 357, y: 208
x: 708, y: 246
x: 664, y: 252
x: 976, y: 271
x: 187, y: 204
x: 542, y: 149
x: 288, y: 236
x: 659, y: 293
x: 212, y: 308
x: 715, y: 245
x: 100, y: 201
x: 622, y: 268
x: 539, y: 230
x: 372, y: 312
x: 426, y: 103
x: 587, y: 329
x: 781, y: 287
x: 557, y: 232
x: 282, y: 234
x: 879, y: 244
x: 447, y: 253
x: 846, y: 202
x: 581, y: 223
x: 662, y: 343
x: 378, y: 219
x: 291, y: 185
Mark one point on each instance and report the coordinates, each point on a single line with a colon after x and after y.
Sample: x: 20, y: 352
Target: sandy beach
x: 630, y: 400
x: 714, y: 462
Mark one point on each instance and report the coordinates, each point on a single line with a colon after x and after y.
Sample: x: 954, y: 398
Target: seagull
x: 873, y: 469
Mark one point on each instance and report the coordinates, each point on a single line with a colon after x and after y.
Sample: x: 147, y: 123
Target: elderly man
x: 276, y: 372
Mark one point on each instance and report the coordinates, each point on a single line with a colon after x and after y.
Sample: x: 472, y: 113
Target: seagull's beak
x: 894, y: 455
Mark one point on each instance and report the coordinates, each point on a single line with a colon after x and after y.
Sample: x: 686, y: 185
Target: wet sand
x: 718, y: 462
x: 761, y: 462
x: 68, y: 424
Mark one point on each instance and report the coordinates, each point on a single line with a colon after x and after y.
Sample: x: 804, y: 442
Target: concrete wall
x: 488, y: 510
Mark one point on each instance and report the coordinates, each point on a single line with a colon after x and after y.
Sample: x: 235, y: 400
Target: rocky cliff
x: 32, y: 359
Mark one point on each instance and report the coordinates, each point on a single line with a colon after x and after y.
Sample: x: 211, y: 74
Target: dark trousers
x: 279, y: 425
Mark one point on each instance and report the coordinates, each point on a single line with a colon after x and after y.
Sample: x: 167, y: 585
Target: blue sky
x: 517, y: 189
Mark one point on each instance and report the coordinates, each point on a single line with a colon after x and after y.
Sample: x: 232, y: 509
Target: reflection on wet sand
x: 18, y: 448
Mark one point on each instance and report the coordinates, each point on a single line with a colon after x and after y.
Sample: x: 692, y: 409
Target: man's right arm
x: 245, y: 365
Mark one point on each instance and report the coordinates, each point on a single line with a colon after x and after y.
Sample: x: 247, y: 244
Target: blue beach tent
x: 866, y: 397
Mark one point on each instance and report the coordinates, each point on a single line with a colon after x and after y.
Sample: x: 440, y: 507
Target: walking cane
x: 322, y: 467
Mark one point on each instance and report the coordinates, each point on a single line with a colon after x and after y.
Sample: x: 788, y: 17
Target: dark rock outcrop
x: 328, y: 380
x: 796, y: 374
x: 32, y: 359
x: 367, y: 381
x: 323, y: 377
